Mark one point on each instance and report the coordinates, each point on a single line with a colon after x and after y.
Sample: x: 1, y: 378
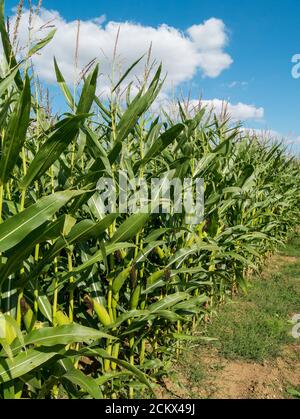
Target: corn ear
x: 115, y: 354
x: 29, y: 317
x: 10, y: 334
x: 100, y: 311
x: 160, y: 253
x: 134, y: 301
x: 120, y: 280
x: 156, y: 276
x: 62, y: 319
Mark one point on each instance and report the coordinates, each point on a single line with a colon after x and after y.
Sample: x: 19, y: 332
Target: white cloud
x: 290, y: 139
x: 200, y: 48
x: 238, y: 112
x: 209, y: 39
x: 263, y: 133
x: 210, y: 36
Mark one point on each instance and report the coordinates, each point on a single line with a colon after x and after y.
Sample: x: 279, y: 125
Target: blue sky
x: 263, y: 35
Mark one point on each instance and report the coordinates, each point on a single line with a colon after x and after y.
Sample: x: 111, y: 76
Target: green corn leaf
x: 168, y: 302
x: 63, y: 86
x: 131, y: 314
x: 127, y: 72
x: 86, y: 383
x: 132, y: 226
x: 53, y: 148
x: 160, y: 283
x: 8, y: 80
x: 42, y: 43
x: 16, y: 228
x: 120, y: 280
x: 44, y: 306
x: 18, y: 254
x: 137, y: 108
x: 88, y: 93
x: 15, y: 135
x: 24, y: 363
x: 62, y: 335
x: 98, y: 257
x: 169, y: 315
x: 161, y: 144
x: 182, y: 254
x: 134, y: 370
x: 144, y: 253
x: 111, y: 376
x: 83, y: 231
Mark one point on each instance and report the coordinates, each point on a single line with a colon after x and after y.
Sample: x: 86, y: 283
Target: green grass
x: 292, y: 249
x: 256, y: 326
x: 293, y: 392
x: 196, y: 375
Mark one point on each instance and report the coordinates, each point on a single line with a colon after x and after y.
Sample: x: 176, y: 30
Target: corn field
x: 96, y: 305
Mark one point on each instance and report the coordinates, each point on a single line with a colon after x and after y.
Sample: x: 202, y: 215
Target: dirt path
x: 235, y: 379
x: 258, y: 360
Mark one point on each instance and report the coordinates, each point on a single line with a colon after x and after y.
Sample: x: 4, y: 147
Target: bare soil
x: 221, y: 378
